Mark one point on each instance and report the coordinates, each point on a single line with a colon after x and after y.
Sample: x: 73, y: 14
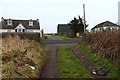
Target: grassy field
x: 106, y: 63
x: 65, y: 37
x: 69, y: 65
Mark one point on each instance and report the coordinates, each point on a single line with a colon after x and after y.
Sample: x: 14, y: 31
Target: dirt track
x: 50, y: 69
x: 88, y: 64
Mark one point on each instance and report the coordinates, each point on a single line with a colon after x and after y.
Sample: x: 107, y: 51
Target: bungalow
x: 107, y: 25
x: 12, y: 25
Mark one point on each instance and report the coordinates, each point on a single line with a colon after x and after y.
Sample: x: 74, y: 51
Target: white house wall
x: 13, y: 30
x: 2, y: 30
x: 31, y: 30
x: 6, y: 30
x: 105, y: 28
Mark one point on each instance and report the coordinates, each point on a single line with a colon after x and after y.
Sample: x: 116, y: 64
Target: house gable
x: 20, y: 26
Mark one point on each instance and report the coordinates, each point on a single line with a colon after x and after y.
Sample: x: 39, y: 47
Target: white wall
x: 105, y: 28
x: 13, y: 30
x: 2, y: 30
x: 6, y: 30
x: 31, y: 30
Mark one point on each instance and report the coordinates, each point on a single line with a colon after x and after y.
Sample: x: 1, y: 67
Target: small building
x: 107, y: 25
x: 13, y: 25
x: 64, y: 30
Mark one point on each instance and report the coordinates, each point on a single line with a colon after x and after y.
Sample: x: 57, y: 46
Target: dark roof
x: 15, y: 23
x: 106, y: 23
x: 63, y: 25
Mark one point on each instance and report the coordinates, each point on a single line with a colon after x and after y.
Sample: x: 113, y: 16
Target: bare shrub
x: 105, y: 42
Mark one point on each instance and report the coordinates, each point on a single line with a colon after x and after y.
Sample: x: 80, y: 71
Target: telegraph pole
x: 84, y: 18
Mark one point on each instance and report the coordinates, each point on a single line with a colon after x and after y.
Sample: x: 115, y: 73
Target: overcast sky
x: 53, y: 12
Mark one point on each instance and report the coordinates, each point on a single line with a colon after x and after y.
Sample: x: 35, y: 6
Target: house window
x: 108, y: 28
x: 9, y: 31
x: 30, y: 23
x: 114, y: 28
x: 9, y: 22
x: 30, y: 30
x: 15, y: 30
x: 19, y: 30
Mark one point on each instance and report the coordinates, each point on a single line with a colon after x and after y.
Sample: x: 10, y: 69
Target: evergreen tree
x: 77, y: 25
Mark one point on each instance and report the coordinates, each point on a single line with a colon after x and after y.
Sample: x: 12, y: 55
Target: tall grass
x: 105, y: 42
x: 21, y: 58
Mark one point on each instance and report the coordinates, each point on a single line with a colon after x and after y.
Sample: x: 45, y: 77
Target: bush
x: 105, y: 42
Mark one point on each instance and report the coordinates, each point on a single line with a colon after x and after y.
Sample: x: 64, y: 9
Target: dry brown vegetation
x: 21, y: 58
x: 105, y: 42
x: 31, y: 36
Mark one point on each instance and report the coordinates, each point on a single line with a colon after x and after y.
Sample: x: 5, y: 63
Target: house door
x: 23, y: 30
x: 15, y: 30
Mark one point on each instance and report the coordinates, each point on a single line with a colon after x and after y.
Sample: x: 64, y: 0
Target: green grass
x: 96, y: 58
x: 65, y: 37
x: 69, y: 65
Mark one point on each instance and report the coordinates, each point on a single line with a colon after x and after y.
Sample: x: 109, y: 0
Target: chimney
x: 37, y: 20
x: 2, y: 19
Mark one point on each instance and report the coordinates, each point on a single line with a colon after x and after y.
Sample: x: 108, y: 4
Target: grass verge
x: 69, y: 65
x: 106, y: 63
x: 65, y: 37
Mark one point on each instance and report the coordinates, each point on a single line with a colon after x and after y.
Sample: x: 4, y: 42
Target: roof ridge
x: 105, y: 23
x: 21, y: 19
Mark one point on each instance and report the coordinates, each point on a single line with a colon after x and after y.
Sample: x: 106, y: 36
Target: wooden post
x: 84, y: 18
